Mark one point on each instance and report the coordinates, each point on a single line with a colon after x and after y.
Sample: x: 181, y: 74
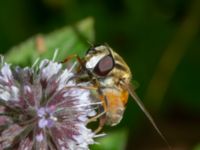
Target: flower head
x: 43, y: 109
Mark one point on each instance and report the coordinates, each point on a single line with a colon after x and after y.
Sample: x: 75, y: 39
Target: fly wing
x: 131, y: 90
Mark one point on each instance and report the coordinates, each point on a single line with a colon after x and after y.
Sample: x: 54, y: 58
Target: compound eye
x: 104, y: 66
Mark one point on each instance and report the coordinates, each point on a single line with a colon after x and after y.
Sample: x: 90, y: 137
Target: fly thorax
x: 107, y: 82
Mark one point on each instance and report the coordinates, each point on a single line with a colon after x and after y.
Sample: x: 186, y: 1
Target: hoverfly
x: 112, y: 76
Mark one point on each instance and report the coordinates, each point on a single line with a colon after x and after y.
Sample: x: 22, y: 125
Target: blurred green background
x: 160, y: 40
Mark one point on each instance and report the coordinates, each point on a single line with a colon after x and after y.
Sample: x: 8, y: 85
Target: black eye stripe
x: 120, y: 67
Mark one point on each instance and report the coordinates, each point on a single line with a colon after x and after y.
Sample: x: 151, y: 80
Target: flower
x: 42, y: 108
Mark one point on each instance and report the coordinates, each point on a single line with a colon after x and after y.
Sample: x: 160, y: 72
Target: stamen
x: 55, y: 54
x: 96, y: 117
x: 73, y: 66
x: 35, y: 63
x: 99, y: 135
x: 90, y: 104
x: 1, y: 60
x: 69, y: 110
x: 82, y: 105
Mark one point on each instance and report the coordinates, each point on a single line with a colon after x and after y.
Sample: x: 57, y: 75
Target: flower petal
x: 26, y: 144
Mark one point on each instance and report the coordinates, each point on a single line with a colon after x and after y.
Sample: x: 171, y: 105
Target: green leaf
x: 197, y: 147
x: 112, y: 141
x: 69, y: 40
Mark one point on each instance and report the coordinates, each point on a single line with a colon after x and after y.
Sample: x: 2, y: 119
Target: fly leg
x: 81, y: 66
x: 102, y: 120
x: 81, y: 87
x: 95, y: 86
x: 96, y: 117
x: 101, y: 114
x: 103, y: 109
x: 74, y: 56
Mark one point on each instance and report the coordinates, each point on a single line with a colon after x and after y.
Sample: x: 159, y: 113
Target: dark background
x: 160, y: 40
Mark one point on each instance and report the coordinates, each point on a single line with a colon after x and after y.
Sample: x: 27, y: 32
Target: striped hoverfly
x: 107, y: 71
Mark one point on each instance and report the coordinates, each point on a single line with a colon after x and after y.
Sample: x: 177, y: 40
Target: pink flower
x: 42, y: 108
